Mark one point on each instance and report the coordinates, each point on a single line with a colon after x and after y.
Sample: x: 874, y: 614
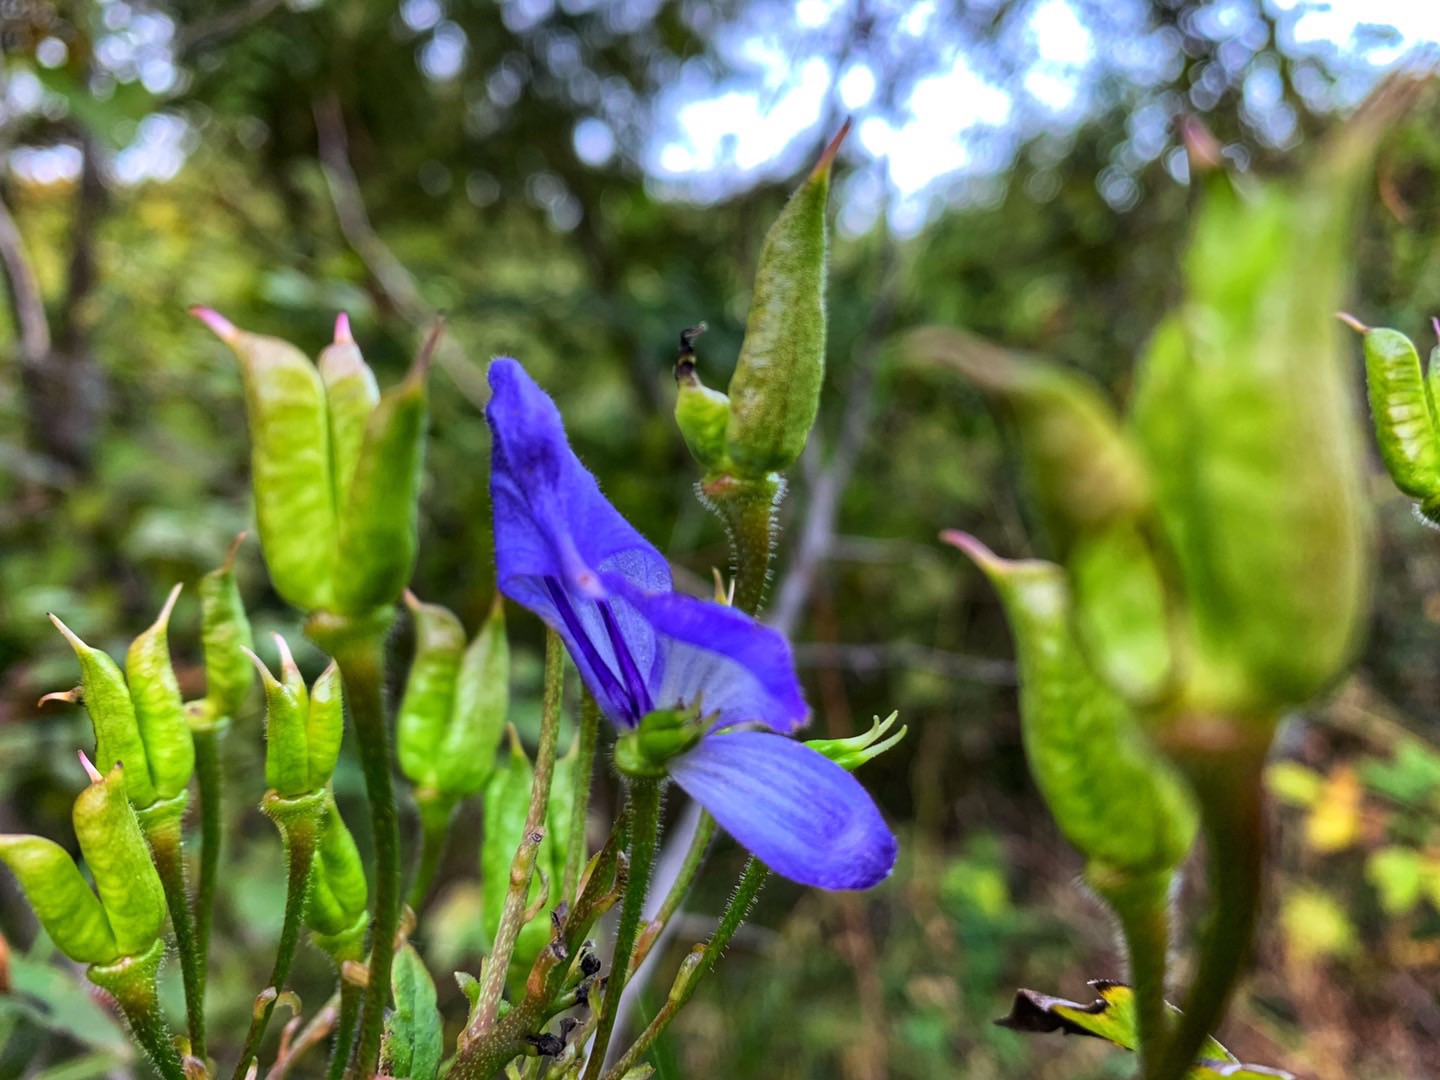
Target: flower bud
x: 1111, y: 794
x: 379, y: 518
x: 295, y: 503
x: 775, y: 391
x: 67, y: 909
x: 120, y: 862
x: 226, y: 637
x: 159, y: 709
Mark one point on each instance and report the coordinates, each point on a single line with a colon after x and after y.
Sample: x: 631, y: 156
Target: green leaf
x: 414, y: 1035
x: 58, y: 1001
x: 1111, y: 1017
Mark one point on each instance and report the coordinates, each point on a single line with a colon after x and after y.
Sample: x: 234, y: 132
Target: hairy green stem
x: 131, y: 982
x: 1227, y: 779
x: 351, y: 995
x: 697, y: 965
x: 512, y: 916
x: 679, y: 889
x: 299, y: 824
x: 208, y: 743
x: 436, y: 813
x: 358, y: 646
x: 1141, y: 903
x: 748, y: 510
x: 644, y: 799
x: 163, y: 825
x: 575, y: 854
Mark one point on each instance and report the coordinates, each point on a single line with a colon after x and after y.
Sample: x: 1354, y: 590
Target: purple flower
x: 565, y: 553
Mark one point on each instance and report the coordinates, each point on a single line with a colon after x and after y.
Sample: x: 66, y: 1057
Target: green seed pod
x: 1244, y: 408
x: 466, y: 753
x: 352, y: 395
x: 1111, y: 794
x: 225, y: 635
x: 112, y: 713
x: 67, y: 909
x: 1407, y: 429
x: 325, y: 725
x: 159, y: 709
x: 1081, y: 469
x: 775, y: 391
x: 290, y: 462
x: 120, y: 862
x: 338, y: 893
x: 429, y: 700
x: 379, y: 529
x: 287, y: 720
x: 702, y: 414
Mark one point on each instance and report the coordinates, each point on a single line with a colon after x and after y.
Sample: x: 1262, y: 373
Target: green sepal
x: 112, y: 714
x: 159, y: 709
x: 324, y: 725
x: 225, y: 635
x: 414, y: 1037
x: 351, y: 395
x: 290, y: 462
x: 1111, y: 793
x: 855, y: 751
x: 70, y: 913
x: 775, y: 391
x: 119, y: 860
x: 379, y: 519
x: 660, y: 736
x: 338, y: 892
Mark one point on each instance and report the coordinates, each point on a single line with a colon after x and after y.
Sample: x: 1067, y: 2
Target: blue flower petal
x: 796, y: 810
x: 710, y: 654
x: 556, y: 534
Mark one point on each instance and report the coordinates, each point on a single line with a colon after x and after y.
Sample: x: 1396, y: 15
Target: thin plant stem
x: 1141, y: 903
x: 1229, y: 789
x: 492, y: 978
x: 436, y: 812
x: 208, y: 743
x: 299, y: 825
x: 575, y: 854
x: 131, y: 982
x: 679, y: 889
x: 361, y: 657
x: 163, y: 827
x: 696, y: 966
x: 312, y: 1034
x: 351, y: 996
x: 748, y: 510
x: 644, y: 799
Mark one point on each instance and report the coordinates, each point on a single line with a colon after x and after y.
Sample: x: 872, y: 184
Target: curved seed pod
x: 379, y: 527
x: 112, y: 714
x: 63, y: 902
x: 159, y: 709
x: 1244, y: 408
x: 477, y: 721
x: 120, y: 862
x: 429, y: 699
x: 1111, y: 794
x: 1407, y: 429
x: 287, y: 707
x: 226, y: 637
x: 351, y: 395
x: 338, y: 893
x: 1080, y: 466
x: 325, y: 726
x: 775, y: 391
x: 289, y: 460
